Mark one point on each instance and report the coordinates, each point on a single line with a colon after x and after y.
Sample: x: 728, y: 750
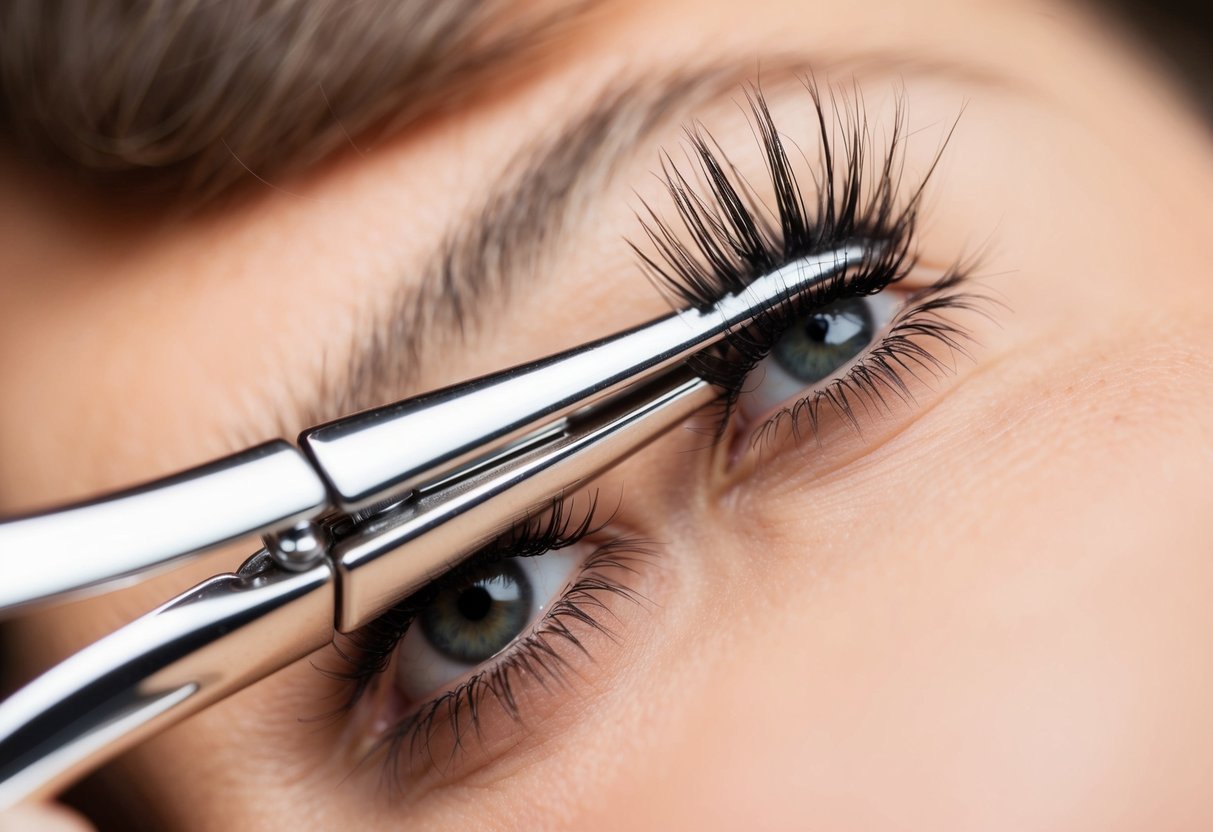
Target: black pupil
x: 474, y: 603
x: 817, y: 328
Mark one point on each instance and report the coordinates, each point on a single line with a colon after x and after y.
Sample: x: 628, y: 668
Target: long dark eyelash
x: 537, y: 657
x: 881, y: 373
x: 366, y: 654
x: 735, y: 238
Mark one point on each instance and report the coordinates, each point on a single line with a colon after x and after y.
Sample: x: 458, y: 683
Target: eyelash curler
x: 365, y: 511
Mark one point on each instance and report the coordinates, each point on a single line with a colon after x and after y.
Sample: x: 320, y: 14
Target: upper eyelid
x: 732, y: 237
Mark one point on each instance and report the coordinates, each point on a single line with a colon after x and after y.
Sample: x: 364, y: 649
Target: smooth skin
x: 987, y: 610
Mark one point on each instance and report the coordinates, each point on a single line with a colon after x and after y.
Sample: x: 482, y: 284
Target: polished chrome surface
x: 399, y: 447
x: 61, y: 552
x: 426, y: 482
x: 393, y: 557
x: 232, y: 630
x: 300, y: 547
x: 209, y: 642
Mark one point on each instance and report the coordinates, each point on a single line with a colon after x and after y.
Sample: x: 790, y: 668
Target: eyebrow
x: 489, y: 254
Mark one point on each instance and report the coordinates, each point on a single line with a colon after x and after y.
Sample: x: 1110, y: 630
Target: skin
x: 986, y: 610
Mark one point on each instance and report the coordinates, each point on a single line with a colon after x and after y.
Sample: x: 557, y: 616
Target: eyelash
x: 735, y: 239
x: 366, y: 654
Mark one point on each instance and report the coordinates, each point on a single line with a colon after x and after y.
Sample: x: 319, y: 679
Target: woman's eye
x: 815, y: 350
x: 478, y: 616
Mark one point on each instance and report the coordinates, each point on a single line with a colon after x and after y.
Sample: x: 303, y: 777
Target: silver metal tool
x: 365, y: 511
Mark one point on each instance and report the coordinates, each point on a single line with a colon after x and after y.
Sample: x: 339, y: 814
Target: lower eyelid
x: 783, y: 389
x: 927, y: 341
x: 422, y: 672
x: 401, y: 733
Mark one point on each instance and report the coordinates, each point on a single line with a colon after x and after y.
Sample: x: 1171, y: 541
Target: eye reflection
x: 476, y: 618
x: 814, y: 350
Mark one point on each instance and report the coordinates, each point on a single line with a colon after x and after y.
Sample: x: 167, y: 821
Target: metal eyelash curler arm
x: 415, y: 487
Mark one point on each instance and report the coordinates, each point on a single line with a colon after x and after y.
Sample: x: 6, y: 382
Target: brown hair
x: 187, y: 98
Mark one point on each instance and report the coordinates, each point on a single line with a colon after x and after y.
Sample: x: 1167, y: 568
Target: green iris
x: 475, y: 619
x: 817, y: 346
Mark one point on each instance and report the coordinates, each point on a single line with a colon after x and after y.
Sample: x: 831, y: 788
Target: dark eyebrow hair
x: 488, y: 254
x: 543, y: 193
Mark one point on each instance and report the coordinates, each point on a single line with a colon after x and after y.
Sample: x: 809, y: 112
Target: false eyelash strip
x: 724, y: 240
x: 735, y: 239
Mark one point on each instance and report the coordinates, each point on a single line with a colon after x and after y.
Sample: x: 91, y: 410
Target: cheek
x: 1003, y: 630
x: 869, y: 707
x: 1065, y: 697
